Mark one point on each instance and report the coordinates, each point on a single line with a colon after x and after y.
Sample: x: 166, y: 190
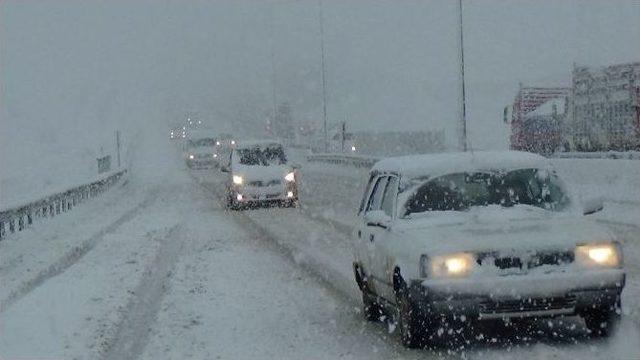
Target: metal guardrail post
x: 19, y: 218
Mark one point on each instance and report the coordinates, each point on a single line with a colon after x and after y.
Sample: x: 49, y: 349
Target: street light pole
x: 462, y: 128
x: 324, y: 86
x: 273, y: 68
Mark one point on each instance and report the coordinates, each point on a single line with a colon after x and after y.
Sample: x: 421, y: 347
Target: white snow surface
x: 181, y: 278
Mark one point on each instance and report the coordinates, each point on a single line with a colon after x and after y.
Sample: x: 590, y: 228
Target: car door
x: 384, y: 242
x: 359, y: 232
x: 371, y: 231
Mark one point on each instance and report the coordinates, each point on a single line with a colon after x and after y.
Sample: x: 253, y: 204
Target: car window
x: 376, y: 196
x: 367, y: 191
x: 389, y: 198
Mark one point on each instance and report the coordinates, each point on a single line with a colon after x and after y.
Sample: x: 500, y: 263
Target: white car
x: 259, y: 174
x: 448, y: 238
x: 201, y: 152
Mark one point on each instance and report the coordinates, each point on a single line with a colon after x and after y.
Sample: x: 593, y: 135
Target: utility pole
x: 273, y: 69
x: 324, y: 86
x: 344, y: 133
x: 462, y: 128
x: 118, y: 146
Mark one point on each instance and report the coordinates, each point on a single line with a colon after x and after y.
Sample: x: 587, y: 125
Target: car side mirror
x: 592, y: 206
x: 377, y: 218
x: 224, y: 168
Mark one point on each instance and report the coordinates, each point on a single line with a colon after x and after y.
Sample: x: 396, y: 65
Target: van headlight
x: 290, y: 177
x: 453, y: 265
x: 599, y: 255
x: 237, y: 179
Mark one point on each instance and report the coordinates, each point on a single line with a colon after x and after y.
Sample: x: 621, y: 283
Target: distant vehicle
x: 201, y: 151
x: 177, y: 133
x: 260, y: 174
x: 474, y: 236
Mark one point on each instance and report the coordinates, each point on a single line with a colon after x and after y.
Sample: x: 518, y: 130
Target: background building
x: 605, y: 112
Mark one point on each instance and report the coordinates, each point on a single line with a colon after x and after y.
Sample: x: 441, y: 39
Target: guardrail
x: 18, y: 218
x: 629, y: 155
x: 343, y: 159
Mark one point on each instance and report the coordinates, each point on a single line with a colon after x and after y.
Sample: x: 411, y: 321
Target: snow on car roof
x: 431, y: 165
x: 244, y: 144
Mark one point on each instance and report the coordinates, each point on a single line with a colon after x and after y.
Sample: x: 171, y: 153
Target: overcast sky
x: 72, y: 67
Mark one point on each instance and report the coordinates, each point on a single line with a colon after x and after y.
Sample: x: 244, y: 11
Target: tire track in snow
x: 132, y: 333
x: 330, y: 278
x: 72, y: 256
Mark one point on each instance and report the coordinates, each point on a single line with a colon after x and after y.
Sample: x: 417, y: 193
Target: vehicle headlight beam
x: 290, y: 177
x: 599, y: 255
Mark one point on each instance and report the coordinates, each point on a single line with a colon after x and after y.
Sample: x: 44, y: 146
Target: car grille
x: 526, y: 261
x: 260, y: 183
x: 528, y: 305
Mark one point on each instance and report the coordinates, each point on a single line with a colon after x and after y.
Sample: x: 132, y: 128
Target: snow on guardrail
x: 628, y: 155
x: 17, y: 218
x: 342, y: 159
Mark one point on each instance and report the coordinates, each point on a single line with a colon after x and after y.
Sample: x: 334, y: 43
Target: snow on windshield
x: 462, y: 191
x: 267, y: 156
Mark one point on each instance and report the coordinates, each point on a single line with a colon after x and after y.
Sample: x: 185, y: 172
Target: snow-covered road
x: 158, y: 270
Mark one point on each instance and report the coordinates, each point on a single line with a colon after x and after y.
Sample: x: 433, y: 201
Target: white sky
x: 83, y: 68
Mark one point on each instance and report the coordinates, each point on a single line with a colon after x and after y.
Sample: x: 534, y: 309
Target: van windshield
x: 263, y: 156
x: 208, y: 142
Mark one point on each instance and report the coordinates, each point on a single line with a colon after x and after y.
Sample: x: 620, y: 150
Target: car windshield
x: 208, y: 142
x: 461, y: 191
x: 268, y: 156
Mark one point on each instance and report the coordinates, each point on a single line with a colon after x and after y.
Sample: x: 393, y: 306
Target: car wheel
x: 370, y: 307
x: 231, y: 204
x: 409, y: 321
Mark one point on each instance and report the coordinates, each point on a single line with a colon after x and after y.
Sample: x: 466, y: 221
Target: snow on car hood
x: 496, y: 228
x: 261, y: 173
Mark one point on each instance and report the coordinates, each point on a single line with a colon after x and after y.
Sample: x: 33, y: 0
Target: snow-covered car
x: 177, y: 132
x: 448, y: 238
x: 201, y: 152
x: 259, y: 174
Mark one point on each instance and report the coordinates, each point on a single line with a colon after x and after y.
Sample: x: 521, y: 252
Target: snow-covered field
x: 156, y: 269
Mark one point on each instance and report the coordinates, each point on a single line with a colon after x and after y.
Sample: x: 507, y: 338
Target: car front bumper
x: 274, y: 193
x: 520, y: 296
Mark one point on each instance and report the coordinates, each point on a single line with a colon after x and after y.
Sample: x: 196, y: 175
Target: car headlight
x: 453, y: 265
x: 599, y: 255
x: 290, y: 177
x: 233, y: 142
x: 191, y: 157
x: 215, y: 155
x: 218, y: 143
x: 237, y: 179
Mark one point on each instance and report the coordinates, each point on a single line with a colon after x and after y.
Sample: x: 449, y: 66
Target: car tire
x: 231, y: 204
x: 370, y: 307
x: 409, y: 321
